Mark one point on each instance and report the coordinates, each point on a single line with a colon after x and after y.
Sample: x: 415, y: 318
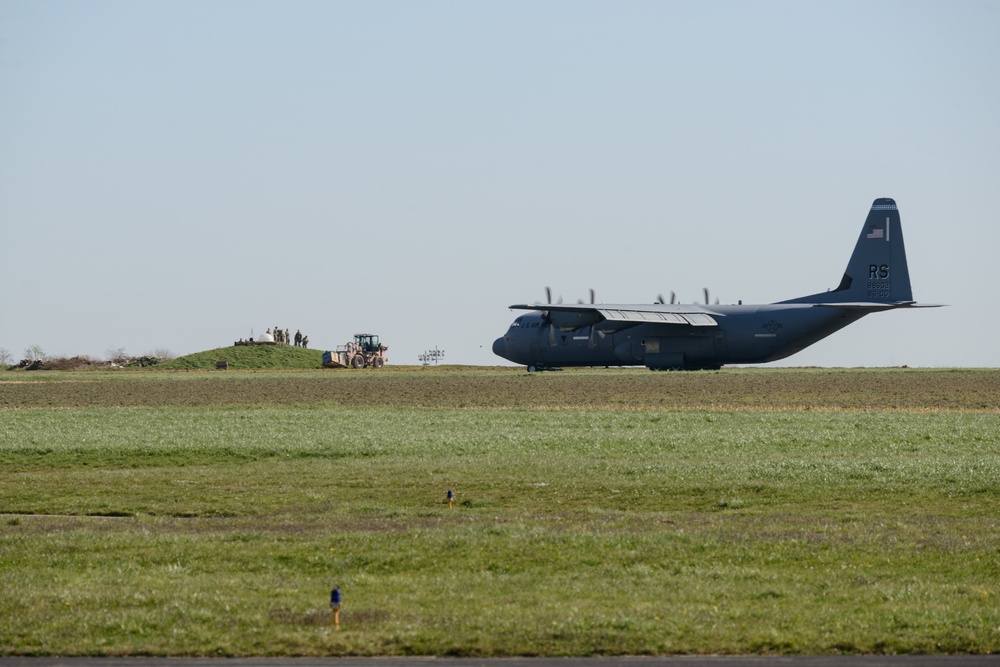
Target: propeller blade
x: 673, y: 297
x: 548, y: 295
x: 659, y: 299
x: 592, y: 296
x: 705, y: 289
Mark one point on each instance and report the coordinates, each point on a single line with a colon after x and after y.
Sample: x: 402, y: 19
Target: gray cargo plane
x: 671, y: 336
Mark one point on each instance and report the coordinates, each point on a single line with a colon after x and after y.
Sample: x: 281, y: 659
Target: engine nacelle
x: 573, y: 320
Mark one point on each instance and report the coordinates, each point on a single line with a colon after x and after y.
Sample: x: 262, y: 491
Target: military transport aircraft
x: 673, y: 336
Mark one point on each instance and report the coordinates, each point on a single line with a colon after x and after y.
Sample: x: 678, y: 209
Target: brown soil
x: 757, y: 389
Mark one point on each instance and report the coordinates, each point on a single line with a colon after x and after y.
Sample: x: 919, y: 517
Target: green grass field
x: 249, y: 357
x: 596, y: 512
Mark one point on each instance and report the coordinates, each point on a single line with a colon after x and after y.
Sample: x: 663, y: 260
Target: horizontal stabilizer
x: 874, y: 305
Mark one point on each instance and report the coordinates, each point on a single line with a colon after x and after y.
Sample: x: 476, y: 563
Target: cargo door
x: 720, y: 344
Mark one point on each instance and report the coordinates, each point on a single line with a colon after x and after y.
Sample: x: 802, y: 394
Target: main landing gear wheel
x: 358, y: 361
x: 532, y: 369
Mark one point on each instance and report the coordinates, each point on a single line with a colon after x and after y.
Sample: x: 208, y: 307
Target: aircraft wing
x: 643, y: 316
x: 625, y: 314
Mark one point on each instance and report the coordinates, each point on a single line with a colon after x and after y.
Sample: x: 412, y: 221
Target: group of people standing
x: 282, y: 337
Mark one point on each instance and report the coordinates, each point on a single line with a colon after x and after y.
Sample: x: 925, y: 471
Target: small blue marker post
x: 335, y: 606
x: 451, y: 496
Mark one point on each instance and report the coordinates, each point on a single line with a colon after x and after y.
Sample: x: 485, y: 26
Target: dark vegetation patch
x: 84, y: 363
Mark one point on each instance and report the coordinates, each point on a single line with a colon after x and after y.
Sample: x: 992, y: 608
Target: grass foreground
x: 595, y: 512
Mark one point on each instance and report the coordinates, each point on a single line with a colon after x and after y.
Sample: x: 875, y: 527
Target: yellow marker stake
x: 335, y: 606
x: 336, y: 616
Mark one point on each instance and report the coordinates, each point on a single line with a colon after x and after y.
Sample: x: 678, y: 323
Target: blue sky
x: 177, y: 174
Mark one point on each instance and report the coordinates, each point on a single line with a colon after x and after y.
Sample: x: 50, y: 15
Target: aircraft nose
x: 500, y: 348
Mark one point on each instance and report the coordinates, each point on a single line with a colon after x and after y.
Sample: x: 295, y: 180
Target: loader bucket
x: 334, y: 360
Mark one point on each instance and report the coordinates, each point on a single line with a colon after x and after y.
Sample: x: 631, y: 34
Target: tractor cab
x: 367, y: 342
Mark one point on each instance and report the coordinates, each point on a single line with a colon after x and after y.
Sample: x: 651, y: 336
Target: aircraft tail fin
x: 877, y: 274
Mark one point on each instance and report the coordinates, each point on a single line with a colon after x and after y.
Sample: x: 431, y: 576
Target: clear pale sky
x: 178, y: 174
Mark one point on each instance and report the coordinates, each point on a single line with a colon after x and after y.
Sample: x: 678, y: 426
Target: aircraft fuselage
x: 744, y: 335
x: 693, y: 336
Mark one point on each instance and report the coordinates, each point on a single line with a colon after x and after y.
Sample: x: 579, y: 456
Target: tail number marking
x: 878, y: 281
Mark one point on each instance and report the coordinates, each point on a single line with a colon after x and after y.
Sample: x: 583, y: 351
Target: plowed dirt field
x: 784, y: 389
